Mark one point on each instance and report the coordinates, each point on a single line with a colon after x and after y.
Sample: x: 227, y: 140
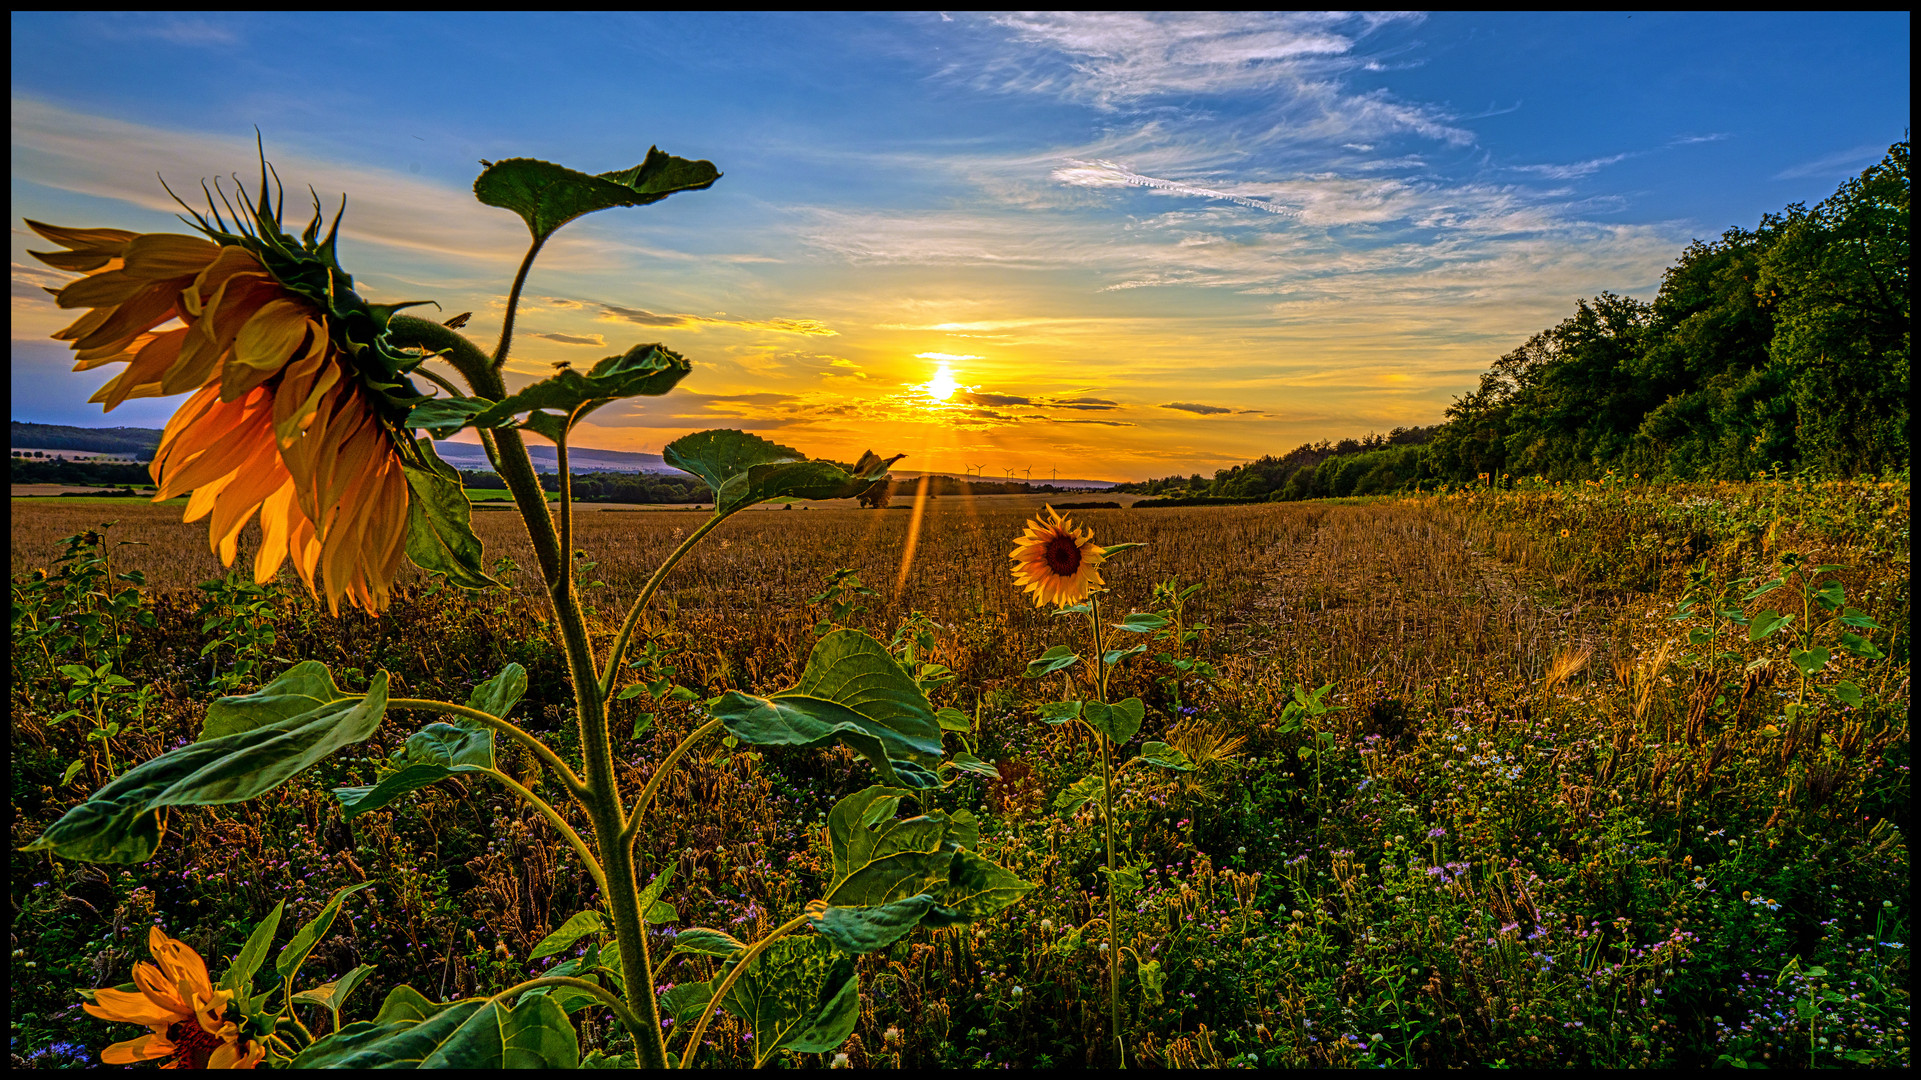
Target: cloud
x: 945, y: 356
x: 993, y: 399
x: 1573, y: 171
x: 643, y: 317
x: 1193, y: 407
x: 1108, y: 174
x: 1844, y: 161
x: 570, y: 339
x: 1087, y: 402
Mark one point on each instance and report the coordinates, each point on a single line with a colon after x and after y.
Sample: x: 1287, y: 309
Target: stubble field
x: 1544, y: 828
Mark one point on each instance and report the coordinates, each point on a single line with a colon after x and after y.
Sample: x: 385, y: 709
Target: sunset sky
x: 1117, y: 245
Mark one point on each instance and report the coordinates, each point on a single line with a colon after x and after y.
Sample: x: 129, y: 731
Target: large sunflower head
x: 1056, y: 563
x: 184, y: 1015
x: 299, y: 401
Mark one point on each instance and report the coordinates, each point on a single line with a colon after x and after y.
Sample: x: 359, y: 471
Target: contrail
x: 1136, y: 179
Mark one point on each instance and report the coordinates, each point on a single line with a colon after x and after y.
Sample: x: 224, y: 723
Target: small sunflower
x: 299, y: 405
x: 1054, y: 562
x: 184, y: 1014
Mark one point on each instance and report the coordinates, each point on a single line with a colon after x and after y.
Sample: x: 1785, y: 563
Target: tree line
x: 1784, y: 346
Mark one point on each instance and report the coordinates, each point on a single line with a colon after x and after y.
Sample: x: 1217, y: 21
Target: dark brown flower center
x: 192, y: 1046
x: 1063, y: 554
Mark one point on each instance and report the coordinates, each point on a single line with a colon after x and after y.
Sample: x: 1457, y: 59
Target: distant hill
x: 116, y: 440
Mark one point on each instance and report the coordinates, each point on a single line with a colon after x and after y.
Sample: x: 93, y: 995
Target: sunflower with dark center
x: 299, y: 403
x: 1056, y: 563
x: 184, y: 1015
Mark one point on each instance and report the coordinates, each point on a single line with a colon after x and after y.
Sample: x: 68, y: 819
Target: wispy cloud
x: 1574, y: 170
x: 1195, y: 407
x: 1096, y: 174
x: 1853, y: 159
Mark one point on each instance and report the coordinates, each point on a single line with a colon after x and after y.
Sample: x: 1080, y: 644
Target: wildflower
x: 298, y: 405
x: 1054, y: 562
x: 181, y: 1009
x: 839, y: 1062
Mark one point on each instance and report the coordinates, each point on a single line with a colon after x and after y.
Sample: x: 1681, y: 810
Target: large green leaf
x: 333, y: 995
x: 744, y: 469
x: 976, y: 888
x: 865, y: 929
x: 642, y: 371
x: 548, y: 196
x: 301, y: 689
x: 440, y: 531
x: 498, y: 695
x: 1054, y: 659
x: 431, y: 755
x: 474, y: 1034
x: 121, y: 821
x: 309, y: 935
x: 1166, y: 757
x: 1118, y: 721
x: 703, y: 941
x: 853, y: 691
x: 443, y: 416
x: 1078, y: 793
x: 879, y: 858
x: 800, y: 994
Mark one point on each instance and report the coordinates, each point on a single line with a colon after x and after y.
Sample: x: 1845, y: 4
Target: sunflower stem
x: 753, y: 953
x: 646, y: 593
x: 1107, y: 821
x: 559, y: 823
x: 513, y: 301
x: 568, y: 778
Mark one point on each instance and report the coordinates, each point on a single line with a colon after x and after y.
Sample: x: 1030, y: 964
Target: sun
x: 942, y: 385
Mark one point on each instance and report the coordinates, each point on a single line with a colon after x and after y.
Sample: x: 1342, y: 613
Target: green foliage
x: 411, y: 1032
x: 745, y: 469
x: 548, y: 196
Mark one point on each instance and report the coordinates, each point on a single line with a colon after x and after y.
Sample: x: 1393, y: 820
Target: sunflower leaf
x: 121, y: 821
x: 548, y: 196
x: 431, y: 755
x: 498, y: 695
x: 239, y: 974
x: 565, y: 397
x: 296, y: 951
x: 440, y: 532
x: 1166, y: 757
x: 865, y: 929
x: 443, y: 416
x: 801, y: 994
x: 703, y: 941
x: 587, y: 922
x: 745, y: 469
x: 333, y: 995
x: 1118, y: 722
x: 478, y: 1033
x: 1054, y: 659
x: 300, y: 689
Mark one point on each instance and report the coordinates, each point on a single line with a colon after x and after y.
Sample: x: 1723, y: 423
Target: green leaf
x: 702, y: 941
x: 1858, y: 620
x: 800, y: 994
x: 1054, y: 659
x: 72, y: 770
x: 853, y: 691
x: 239, y: 974
x: 431, y: 755
x: 1124, y: 880
x: 964, y: 762
x: 1153, y: 980
x: 303, y: 688
x: 951, y: 719
x: 1764, y: 589
x: 1766, y: 621
x: 1115, y: 656
x: 1058, y: 712
x: 443, y: 416
x: 1141, y: 622
x: 440, y: 531
x: 1810, y: 660
x: 642, y: 371
x: 1165, y: 756
x: 1831, y: 595
x: 333, y: 995
x: 304, y: 940
x: 547, y: 196
x: 121, y: 821
x: 1698, y: 636
x: 879, y: 858
x: 744, y: 469
x: 977, y: 888
x: 478, y: 1033
x: 1860, y: 646
x: 498, y: 695
x: 587, y: 922
x: 1078, y: 793
x: 1118, y: 722
x: 404, y: 1003
x: 653, y: 908
x: 865, y: 929
x: 1846, y: 693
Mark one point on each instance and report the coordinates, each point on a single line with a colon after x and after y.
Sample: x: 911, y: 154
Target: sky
x: 1103, y: 245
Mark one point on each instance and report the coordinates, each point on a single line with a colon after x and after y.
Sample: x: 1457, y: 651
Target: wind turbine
x: 1028, y: 472
x: 1010, y: 474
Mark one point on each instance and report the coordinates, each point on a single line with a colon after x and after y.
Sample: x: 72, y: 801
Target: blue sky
x: 1137, y: 244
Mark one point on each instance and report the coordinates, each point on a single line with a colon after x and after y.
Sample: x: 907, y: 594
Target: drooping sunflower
x: 1056, y: 563
x: 298, y: 403
x: 185, y: 1016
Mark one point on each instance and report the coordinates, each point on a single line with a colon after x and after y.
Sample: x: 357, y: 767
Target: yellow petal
x: 164, y: 256
x: 140, y: 1048
x: 104, y: 241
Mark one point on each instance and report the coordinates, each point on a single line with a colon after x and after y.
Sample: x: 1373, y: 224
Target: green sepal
x: 440, y: 530
x: 121, y: 821
x: 547, y: 196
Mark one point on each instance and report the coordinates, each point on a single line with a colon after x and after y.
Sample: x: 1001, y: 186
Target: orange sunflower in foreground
x: 181, y: 1009
x: 1055, y: 563
x: 298, y: 403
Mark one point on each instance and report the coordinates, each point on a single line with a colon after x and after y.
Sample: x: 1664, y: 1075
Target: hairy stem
x: 513, y: 302
x: 1107, y: 820
x: 753, y: 952
x: 606, y: 996
x: 558, y: 822
x: 646, y: 593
